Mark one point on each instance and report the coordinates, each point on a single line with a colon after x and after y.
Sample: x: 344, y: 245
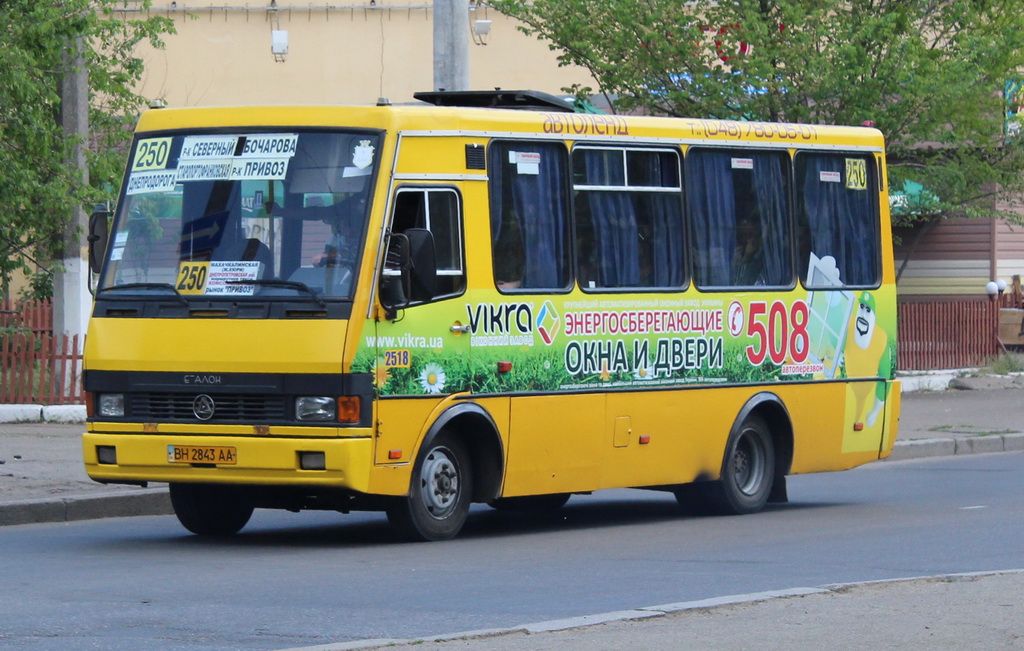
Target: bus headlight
x: 322, y: 408
x: 111, y: 405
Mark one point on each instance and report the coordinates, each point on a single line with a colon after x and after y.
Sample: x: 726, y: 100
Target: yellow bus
x: 486, y: 298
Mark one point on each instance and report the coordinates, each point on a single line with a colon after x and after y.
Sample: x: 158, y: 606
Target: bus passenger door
x: 422, y: 353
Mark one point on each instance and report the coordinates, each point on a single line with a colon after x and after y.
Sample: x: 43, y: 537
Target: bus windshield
x: 244, y: 214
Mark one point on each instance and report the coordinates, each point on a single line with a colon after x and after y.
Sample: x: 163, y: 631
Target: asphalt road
x: 292, y: 580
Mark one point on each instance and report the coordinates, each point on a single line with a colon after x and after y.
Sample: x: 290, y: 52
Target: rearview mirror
x: 98, y: 235
x: 423, y: 265
x: 410, y: 270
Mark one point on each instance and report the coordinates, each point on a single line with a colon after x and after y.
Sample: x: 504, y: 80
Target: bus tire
x: 748, y: 470
x: 210, y: 510
x: 534, y: 503
x: 439, y: 493
x: 748, y: 473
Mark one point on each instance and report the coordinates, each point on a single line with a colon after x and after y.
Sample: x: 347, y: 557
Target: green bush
x: 1005, y: 364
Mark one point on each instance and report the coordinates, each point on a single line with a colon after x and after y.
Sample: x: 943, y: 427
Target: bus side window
x: 437, y: 210
x: 837, y: 220
x: 739, y: 218
x: 628, y: 215
x: 529, y: 216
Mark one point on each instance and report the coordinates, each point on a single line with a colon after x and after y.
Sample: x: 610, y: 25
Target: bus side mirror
x: 423, y: 265
x: 98, y: 235
x: 410, y: 270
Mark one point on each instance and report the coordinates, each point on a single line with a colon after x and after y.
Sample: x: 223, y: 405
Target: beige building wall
x: 1010, y: 245
x: 953, y: 260
x: 348, y: 53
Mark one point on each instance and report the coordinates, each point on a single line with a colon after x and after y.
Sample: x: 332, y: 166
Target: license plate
x: 218, y: 454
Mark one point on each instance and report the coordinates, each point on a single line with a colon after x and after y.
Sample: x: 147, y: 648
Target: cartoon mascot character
x: 867, y: 354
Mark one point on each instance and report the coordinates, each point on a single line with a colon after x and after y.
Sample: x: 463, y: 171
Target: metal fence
x: 947, y: 335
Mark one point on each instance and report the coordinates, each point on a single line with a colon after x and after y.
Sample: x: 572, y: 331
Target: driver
x: 344, y: 220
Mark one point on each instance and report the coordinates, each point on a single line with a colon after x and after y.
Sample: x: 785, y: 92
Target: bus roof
x: 424, y: 119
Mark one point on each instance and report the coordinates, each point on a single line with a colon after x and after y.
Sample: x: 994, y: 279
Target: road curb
x: 31, y: 413
x: 944, y: 447
x: 146, y: 501
x: 639, y: 613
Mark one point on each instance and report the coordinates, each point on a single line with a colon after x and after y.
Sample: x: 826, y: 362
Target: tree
x: 39, y: 182
x: 929, y: 74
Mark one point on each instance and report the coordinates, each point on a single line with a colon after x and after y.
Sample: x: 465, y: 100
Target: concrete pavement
x: 959, y: 611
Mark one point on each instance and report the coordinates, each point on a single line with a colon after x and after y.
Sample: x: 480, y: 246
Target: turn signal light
x: 349, y: 408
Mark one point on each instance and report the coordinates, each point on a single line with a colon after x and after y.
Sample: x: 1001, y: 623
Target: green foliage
x: 12, y: 329
x: 40, y: 286
x: 929, y: 74
x: 40, y: 185
x: 1005, y: 364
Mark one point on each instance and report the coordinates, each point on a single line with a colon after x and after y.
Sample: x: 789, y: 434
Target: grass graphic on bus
x: 543, y: 369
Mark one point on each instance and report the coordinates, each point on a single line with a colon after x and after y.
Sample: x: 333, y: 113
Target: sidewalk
x: 42, y: 479
x: 959, y: 611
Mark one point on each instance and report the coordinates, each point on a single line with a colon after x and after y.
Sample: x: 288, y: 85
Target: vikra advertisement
x: 502, y: 344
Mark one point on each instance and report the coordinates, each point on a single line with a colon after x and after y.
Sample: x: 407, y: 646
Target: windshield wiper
x: 292, y: 284
x: 164, y: 286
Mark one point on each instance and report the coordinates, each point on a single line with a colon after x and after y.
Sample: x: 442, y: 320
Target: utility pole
x: 71, y: 298
x: 451, y: 45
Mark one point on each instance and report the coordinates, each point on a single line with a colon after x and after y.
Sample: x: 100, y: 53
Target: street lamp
x: 995, y: 288
x: 991, y: 288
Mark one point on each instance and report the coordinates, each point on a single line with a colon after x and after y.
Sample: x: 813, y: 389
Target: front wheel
x: 439, y: 494
x: 748, y: 471
x: 209, y: 509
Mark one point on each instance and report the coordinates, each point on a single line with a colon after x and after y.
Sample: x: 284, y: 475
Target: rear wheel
x: 439, y: 494
x: 748, y: 471
x: 210, y: 510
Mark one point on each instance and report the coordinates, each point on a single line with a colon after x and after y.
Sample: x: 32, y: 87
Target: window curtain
x: 712, y: 214
x: 666, y: 219
x: 613, y: 219
x: 538, y: 201
x: 841, y: 222
x: 667, y: 227
x: 770, y: 188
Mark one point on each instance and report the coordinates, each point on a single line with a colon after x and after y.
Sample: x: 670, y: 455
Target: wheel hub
x: 748, y: 462
x: 439, y: 483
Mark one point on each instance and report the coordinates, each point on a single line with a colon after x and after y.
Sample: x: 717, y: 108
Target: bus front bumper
x: 268, y: 461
